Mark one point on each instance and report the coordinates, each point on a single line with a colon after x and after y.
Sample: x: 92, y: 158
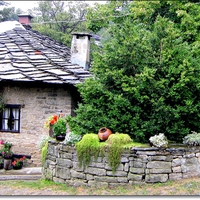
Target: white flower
x: 159, y: 140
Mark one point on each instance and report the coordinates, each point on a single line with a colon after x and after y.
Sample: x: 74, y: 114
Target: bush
x: 87, y: 148
x: 115, y: 146
x: 159, y: 140
x: 192, y: 139
x: 72, y: 138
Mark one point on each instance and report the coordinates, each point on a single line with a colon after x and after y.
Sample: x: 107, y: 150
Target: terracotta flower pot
x: 104, y: 133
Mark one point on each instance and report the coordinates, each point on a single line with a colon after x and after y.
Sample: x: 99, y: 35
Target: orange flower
x: 55, y: 117
x: 52, y: 122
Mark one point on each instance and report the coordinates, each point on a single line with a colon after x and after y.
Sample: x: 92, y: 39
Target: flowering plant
x: 6, y: 151
x: 159, y: 140
x: 58, y: 124
x: 1, y: 141
x: 18, y: 162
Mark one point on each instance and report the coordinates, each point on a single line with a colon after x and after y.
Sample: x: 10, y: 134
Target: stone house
x: 37, y: 79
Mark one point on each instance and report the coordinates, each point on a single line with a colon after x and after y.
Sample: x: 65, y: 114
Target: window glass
x: 10, y: 118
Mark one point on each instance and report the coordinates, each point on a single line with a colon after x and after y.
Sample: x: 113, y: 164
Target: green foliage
x: 90, y: 148
x: 43, y: 146
x: 6, y: 150
x: 58, y: 19
x: 87, y: 149
x: 192, y: 139
x: 44, y: 152
x: 72, y: 138
x: 115, y: 147
x: 60, y: 127
x: 42, y: 141
x: 146, y: 76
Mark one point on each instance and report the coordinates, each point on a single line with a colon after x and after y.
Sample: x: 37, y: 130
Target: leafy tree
x: 8, y: 13
x: 58, y: 19
x: 146, y: 76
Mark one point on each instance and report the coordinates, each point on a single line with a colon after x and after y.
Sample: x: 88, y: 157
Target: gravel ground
x: 186, y: 187
x: 12, y: 191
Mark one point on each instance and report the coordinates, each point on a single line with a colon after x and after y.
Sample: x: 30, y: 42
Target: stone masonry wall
x: 39, y: 104
x: 149, y: 165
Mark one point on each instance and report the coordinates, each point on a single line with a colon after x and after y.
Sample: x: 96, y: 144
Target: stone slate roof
x: 20, y: 61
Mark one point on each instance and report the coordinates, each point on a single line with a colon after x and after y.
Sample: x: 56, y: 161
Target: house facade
x: 38, y: 78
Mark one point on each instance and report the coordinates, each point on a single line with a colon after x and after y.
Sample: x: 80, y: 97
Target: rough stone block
x: 135, y: 177
x: 63, y: 173
x: 175, y: 176
x: 176, y: 169
x: 75, y: 174
x: 64, y: 162
x: 95, y: 171
x: 117, y: 173
x: 155, y: 178
x: 158, y: 165
x: 137, y: 170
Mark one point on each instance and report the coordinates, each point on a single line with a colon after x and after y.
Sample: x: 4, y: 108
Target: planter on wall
x: 60, y: 138
x: 104, y: 133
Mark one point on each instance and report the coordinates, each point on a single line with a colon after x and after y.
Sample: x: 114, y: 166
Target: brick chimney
x: 25, y: 19
x: 80, y: 49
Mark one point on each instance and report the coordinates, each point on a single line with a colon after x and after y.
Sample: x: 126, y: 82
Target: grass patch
x: 190, y: 186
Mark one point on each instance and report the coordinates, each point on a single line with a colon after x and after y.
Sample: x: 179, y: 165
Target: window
x: 10, y: 118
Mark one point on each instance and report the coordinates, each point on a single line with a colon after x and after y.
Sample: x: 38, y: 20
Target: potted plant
x: 6, y: 151
x: 18, y: 163
x: 7, y: 154
x: 58, y: 124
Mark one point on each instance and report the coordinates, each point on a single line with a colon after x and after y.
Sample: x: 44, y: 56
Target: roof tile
x: 20, y: 62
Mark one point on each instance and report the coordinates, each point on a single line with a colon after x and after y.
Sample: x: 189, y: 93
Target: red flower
x: 54, y: 119
x: 18, y: 161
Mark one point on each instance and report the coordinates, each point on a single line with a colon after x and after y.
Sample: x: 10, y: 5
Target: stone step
x: 19, y: 177
x: 34, y: 173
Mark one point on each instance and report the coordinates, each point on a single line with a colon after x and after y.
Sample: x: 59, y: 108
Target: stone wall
x: 149, y: 165
x: 39, y: 103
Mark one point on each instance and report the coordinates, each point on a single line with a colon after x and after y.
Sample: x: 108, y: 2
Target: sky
x: 25, y: 5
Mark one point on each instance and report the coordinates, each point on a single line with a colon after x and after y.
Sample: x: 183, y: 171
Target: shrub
x: 115, y: 146
x: 72, y: 138
x: 159, y: 140
x: 192, y: 139
x: 87, y: 148
x: 43, y: 146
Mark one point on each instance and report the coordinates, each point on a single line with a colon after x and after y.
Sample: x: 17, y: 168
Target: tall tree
x: 146, y: 76
x: 8, y: 13
x: 59, y: 19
